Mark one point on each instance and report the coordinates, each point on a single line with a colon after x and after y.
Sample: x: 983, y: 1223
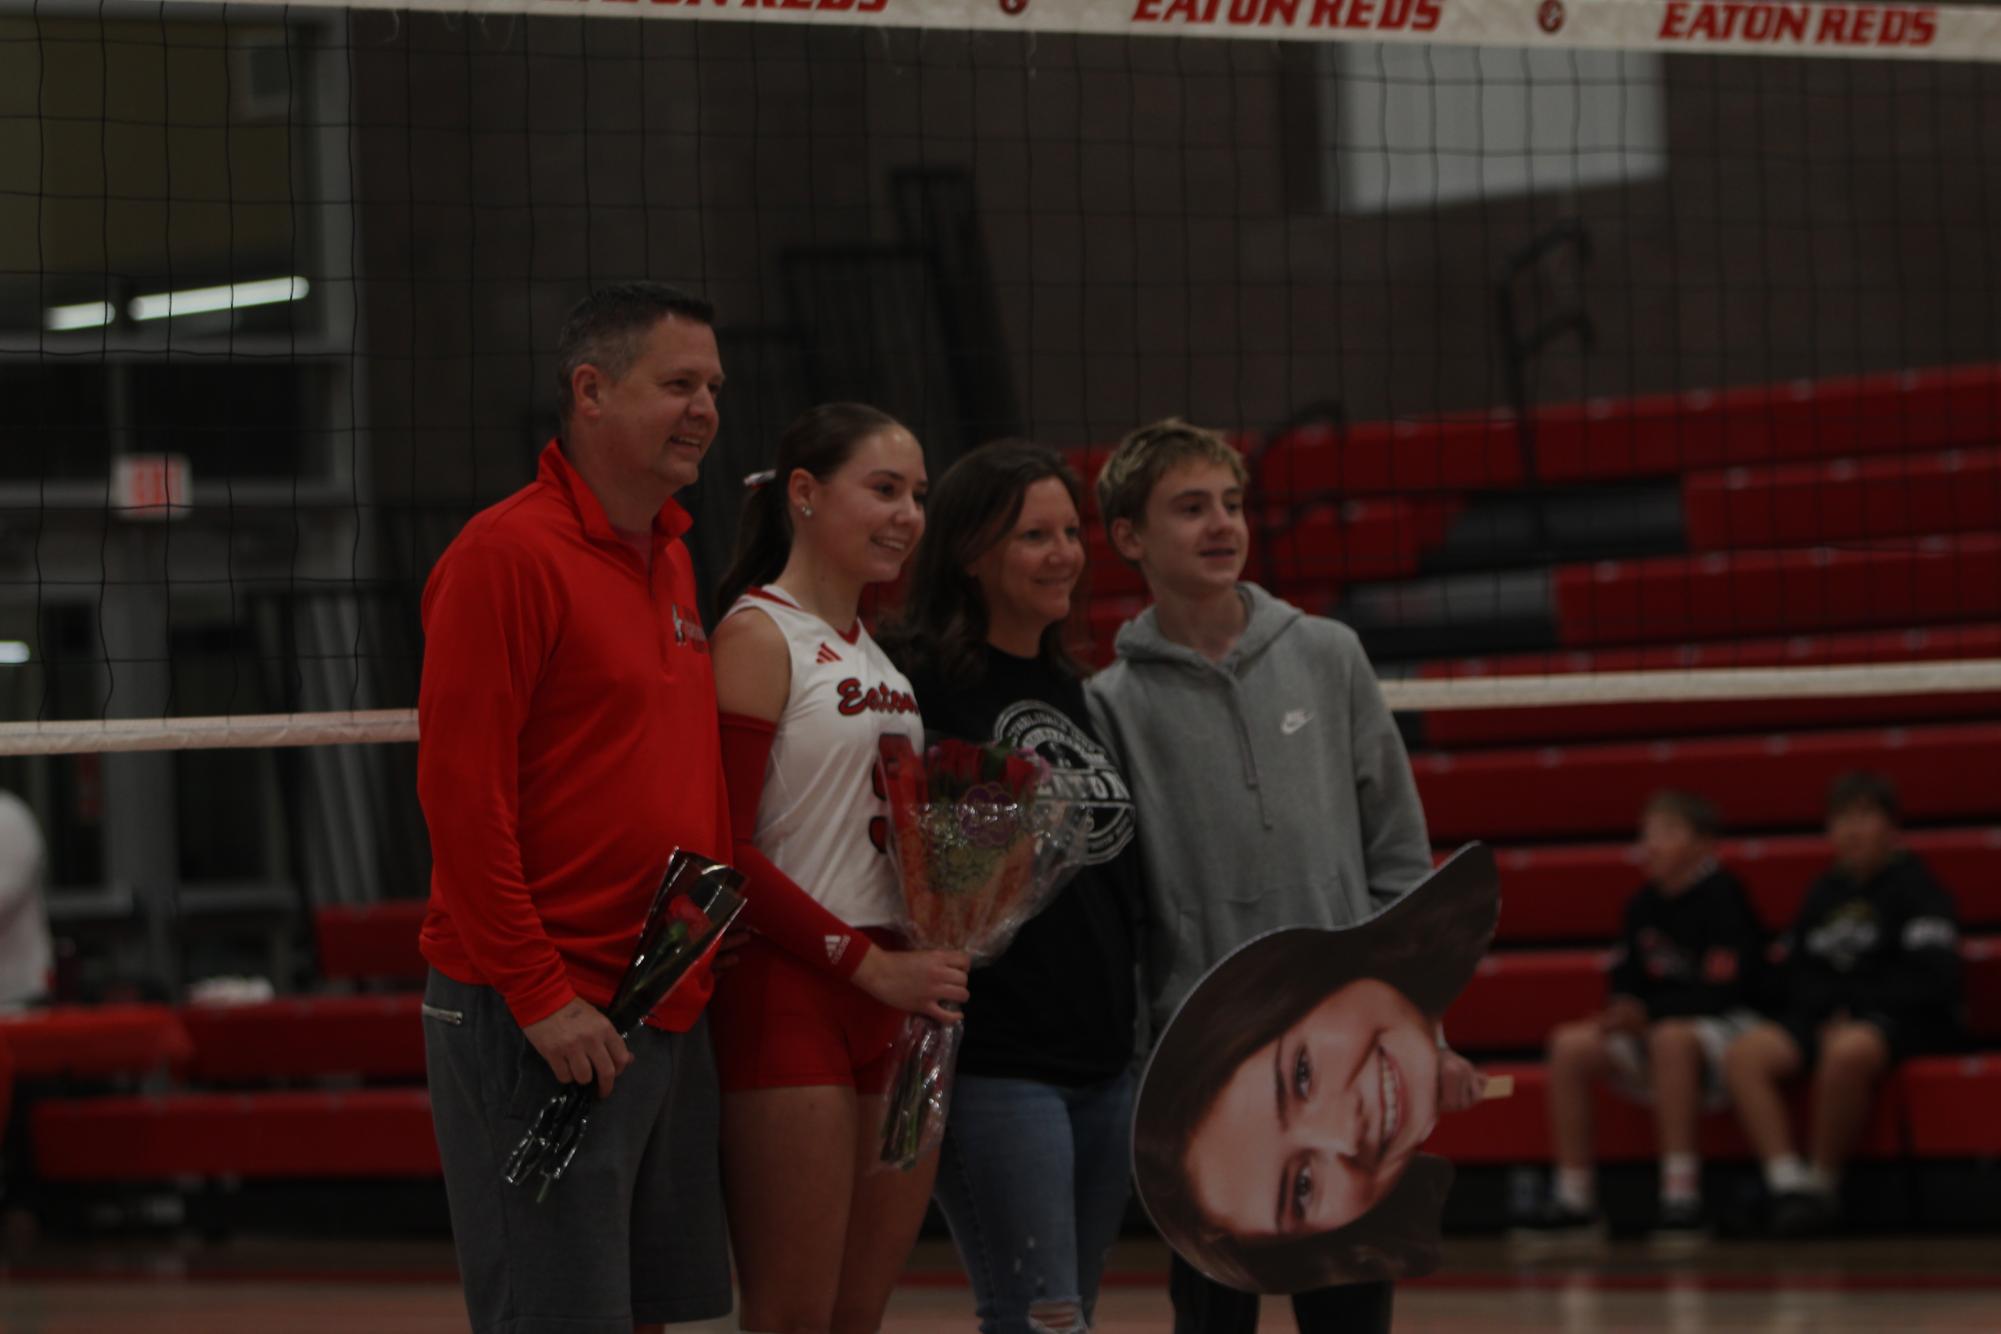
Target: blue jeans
x: 1033, y: 1180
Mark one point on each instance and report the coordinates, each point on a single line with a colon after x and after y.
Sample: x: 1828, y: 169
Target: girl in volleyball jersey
x: 804, y: 1021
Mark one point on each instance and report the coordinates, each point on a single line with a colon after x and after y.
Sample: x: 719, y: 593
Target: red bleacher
x: 374, y: 942
x: 1517, y: 997
x: 1511, y: 1005
x: 1359, y: 539
x: 1939, y: 1106
x: 1718, y: 596
x: 1763, y: 782
x: 1577, y: 892
x: 1515, y: 1129
x: 352, y: 1133
x: 1664, y: 435
x: 307, y: 1037
x: 1476, y: 727
x: 1905, y: 470
x: 94, y: 1042
x: 1847, y: 500
x: 1650, y: 435
x: 1949, y: 1105
x: 1449, y: 455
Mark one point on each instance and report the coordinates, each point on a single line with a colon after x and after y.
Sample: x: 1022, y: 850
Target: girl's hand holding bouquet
x: 980, y: 843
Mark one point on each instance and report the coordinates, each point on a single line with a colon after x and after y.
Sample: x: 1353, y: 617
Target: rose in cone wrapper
x: 980, y: 843
x: 694, y: 905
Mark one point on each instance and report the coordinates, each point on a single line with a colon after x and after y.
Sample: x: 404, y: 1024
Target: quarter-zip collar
x: 555, y: 469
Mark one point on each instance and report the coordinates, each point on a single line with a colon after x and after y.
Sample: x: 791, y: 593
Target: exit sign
x: 151, y: 486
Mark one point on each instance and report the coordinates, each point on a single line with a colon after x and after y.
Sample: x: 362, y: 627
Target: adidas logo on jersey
x: 836, y: 947
x: 827, y: 654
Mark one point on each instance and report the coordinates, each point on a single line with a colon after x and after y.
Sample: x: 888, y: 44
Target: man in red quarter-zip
x: 568, y: 746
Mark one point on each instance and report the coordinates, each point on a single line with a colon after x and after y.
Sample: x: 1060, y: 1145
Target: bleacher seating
x: 1848, y: 500
x: 1772, y: 782
x: 1576, y: 892
x: 1647, y: 436
x: 375, y: 942
x: 1664, y: 435
x: 1743, y: 593
x: 1950, y: 1106
x: 1446, y: 456
x: 1517, y: 997
x: 1478, y: 727
x: 1934, y: 1106
x: 265, y: 1135
x: 307, y: 1038
x: 1515, y: 1129
x: 92, y: 1042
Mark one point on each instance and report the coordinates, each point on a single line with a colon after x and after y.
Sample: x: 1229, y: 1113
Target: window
x: 1413, y: 126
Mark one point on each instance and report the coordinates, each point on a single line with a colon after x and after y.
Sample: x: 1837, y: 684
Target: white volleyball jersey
x: 822, y: 819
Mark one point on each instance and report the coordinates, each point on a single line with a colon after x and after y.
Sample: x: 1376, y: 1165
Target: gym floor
x: 250, y: 1286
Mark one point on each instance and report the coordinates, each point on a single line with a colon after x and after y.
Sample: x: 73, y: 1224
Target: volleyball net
x: 1583, y: 353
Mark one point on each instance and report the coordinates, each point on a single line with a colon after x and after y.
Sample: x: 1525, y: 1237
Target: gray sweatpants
x: 633, y: 1233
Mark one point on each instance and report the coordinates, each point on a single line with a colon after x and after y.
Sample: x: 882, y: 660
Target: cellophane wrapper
x: 980, y: 843
x: 695, y: 904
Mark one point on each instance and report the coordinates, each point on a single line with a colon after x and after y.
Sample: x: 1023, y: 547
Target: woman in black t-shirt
x: 1033, y: 1176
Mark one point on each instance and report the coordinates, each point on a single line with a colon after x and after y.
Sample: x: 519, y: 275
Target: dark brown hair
x: 819, y: 440
x: 1863, y: 787
x: 1691, y: 808
x: 1426, y: 946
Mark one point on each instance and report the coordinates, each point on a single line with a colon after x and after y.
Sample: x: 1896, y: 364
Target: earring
x: 805, y: 511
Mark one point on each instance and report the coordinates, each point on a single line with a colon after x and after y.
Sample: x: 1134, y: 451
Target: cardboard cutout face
x: 1277, y: 1135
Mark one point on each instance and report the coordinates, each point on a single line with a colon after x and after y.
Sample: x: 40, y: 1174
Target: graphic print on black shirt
x: 1062, y: 1005
x: 1698, y: 952
x: 1885, y: 949
x: 1081, y: 771
x: 1665, y: 960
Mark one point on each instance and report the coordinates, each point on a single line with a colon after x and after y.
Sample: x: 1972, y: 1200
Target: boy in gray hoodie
x: 1271, y: 785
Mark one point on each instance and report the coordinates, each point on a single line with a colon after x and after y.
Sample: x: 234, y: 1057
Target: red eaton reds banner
x: 1762, y: 27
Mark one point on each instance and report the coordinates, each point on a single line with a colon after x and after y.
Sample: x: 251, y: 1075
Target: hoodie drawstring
x: 1248, y: 752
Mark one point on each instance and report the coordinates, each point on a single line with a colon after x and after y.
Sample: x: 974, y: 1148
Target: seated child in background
x: 1681, y: 985
x: 1871, y: 974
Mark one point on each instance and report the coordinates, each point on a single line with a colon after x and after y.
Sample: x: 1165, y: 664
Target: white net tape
x: 1404, y: 696
x: 1723, y: 27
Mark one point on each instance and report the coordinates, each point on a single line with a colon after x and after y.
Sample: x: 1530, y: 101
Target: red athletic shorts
x: 777, y: 1023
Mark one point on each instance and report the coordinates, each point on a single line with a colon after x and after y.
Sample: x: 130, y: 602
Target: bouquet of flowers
x: 980, y: 842
x: 695, y: 903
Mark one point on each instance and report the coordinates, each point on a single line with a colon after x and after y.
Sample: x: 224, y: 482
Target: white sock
x: 1576, y: 1189
x: 1681, y: 1178
x: 1787, y: 1175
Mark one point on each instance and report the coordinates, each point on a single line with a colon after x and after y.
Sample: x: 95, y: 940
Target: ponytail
x: 820, y: 440
x: 763, y: 541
